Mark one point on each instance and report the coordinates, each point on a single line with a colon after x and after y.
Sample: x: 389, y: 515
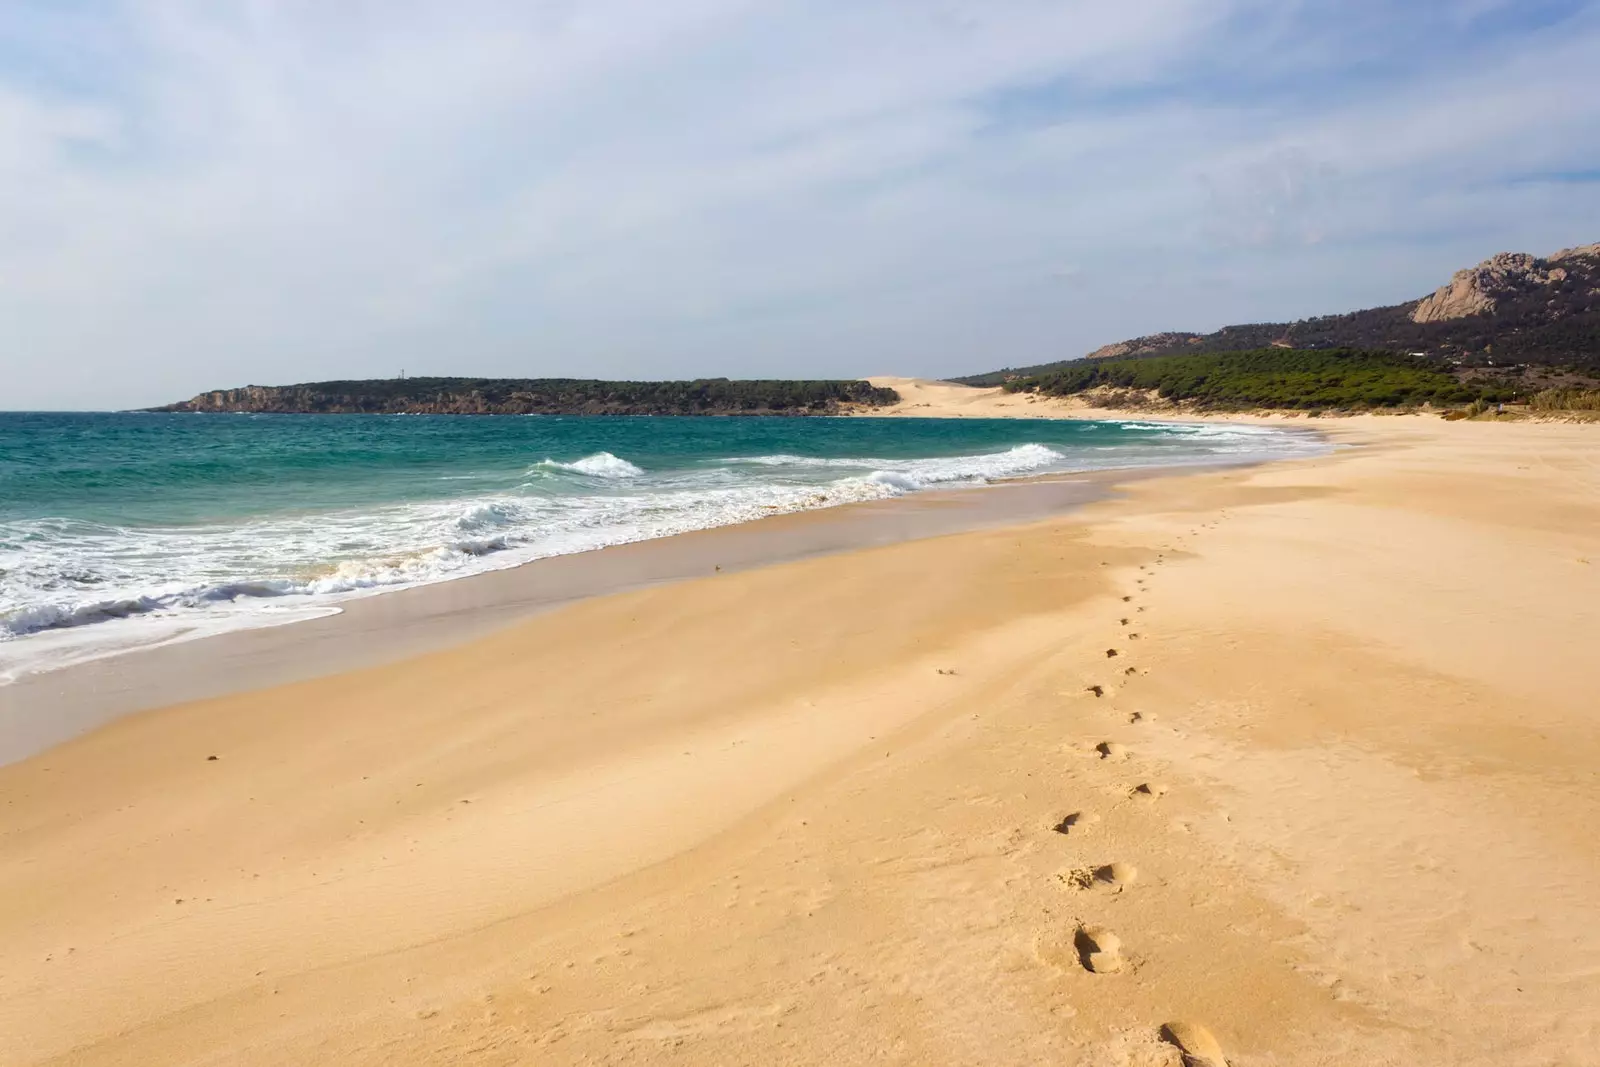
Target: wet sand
x: 47, y: 708
x: 1290, y: 764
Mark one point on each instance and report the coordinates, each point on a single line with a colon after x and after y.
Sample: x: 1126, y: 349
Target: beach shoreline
x: 90, y: 674
x: 391, y: 625
x: 1311, y: 738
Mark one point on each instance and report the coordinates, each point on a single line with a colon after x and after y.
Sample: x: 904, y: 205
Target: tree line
x: 1270, y: 378
x: 547, y: 396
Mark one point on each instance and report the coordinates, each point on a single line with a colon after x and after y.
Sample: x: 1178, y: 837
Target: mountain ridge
x: 1512, y: 308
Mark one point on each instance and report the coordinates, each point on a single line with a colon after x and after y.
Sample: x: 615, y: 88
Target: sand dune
x: 1335, y: 803
x: 929, y: 399
x: 925, y: 398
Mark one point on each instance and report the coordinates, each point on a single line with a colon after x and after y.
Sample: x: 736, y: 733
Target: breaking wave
x: 599, y: 465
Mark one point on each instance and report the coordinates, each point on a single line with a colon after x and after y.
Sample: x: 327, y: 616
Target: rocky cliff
x: 544, y: 396
x: 1508, y: 276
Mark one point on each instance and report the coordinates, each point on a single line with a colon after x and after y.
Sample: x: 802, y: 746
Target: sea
x: 128, y: 530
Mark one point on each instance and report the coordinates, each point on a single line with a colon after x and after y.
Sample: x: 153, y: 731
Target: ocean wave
x: 57, y: 616
x: 784, y: 460
x: 355, y: 576
x: 919, y: 473
x: 1202, y: 429
x: 63, y: 615
x: 599, y: 465
x: 1012, y: 463
x: 488, y: 514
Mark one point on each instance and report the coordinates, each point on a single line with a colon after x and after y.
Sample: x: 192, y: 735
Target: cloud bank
x: 198, y: 195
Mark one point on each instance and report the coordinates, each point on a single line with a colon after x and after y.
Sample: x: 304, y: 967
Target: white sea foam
x: 782, y: 460
x: 1203, y: 430
x: 56, y: 648
x: 911, y: 474
x: 489, y: 514
x: 599, y: 465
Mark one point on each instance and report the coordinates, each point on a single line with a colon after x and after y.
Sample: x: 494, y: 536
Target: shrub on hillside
x: 1267, y: 378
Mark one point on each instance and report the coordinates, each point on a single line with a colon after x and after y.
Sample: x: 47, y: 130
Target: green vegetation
x: 1268, y: 378
x: 546, y: 396
x: 1565, y: 400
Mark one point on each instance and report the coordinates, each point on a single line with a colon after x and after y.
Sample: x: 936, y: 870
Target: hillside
x: 544, y: 396
x: 1338, y: 378
x: 1511, y: 309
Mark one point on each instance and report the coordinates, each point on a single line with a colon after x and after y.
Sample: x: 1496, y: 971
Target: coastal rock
x: 1479, y: 289
x: 1155, y: 342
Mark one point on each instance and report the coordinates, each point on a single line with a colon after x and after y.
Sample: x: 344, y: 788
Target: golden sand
x: 1334, y: 800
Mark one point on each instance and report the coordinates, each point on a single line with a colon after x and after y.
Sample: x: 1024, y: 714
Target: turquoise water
x: 129, y: 529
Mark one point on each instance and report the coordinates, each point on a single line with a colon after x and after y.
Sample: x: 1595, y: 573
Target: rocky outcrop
x: 1156, y: 342
x: 1478, y: 290
x: 1581, y: 252
x: 249, y: 398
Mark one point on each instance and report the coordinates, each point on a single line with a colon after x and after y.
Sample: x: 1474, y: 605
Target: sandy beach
x: 1302, y: 759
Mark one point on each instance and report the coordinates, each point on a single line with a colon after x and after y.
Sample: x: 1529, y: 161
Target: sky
x: 200, y: 195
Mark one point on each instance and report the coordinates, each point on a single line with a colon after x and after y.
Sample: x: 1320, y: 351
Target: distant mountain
x: 1512, y: 308
x: 544, y: 396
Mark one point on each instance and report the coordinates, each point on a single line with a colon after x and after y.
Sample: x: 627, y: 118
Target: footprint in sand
x: 1149, y: 790
x: 1124, y: 622
x: 1111, y: 653
x: 1131, y: 670
x: 1111, y: 750
x: 1118, y: 876
x: 1199, y: 1048
x: 1126, y: 599
x: 1097, y: 690
x: 1075, y: 820
x: 1099, y: 950
x: 1137, y: 716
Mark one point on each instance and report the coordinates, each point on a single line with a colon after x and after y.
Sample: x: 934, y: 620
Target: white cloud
x: 196, y: 195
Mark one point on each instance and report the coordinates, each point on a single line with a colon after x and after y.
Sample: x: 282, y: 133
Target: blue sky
x: 207, y: 194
